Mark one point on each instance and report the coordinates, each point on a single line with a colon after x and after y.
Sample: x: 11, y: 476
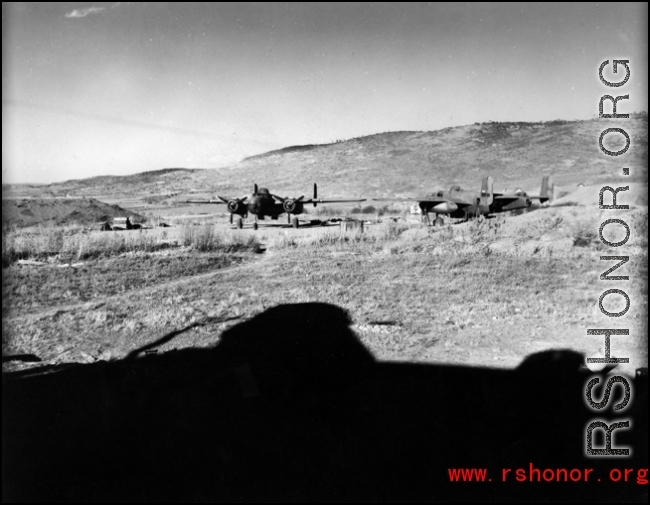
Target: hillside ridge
x: 399, y: 163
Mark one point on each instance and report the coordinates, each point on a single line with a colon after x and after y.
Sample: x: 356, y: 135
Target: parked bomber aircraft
x: 263, y: 203
x: 463, y: 204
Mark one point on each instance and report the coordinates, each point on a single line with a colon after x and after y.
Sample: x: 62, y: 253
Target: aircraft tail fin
x: 546, y: 192
x: 487, y: 191
x: 254, y: 188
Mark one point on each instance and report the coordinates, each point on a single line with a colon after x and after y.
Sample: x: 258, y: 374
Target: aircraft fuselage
x: 455, y: 205
x: 262, y: 204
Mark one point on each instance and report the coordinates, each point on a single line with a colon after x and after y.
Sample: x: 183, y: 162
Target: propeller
x: 291, y: 204
x: 234, y: 204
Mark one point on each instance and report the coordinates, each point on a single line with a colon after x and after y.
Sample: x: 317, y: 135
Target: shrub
x: 53, y: 243
x: 392, y: 231
x: 326, y: 211
x: 583, y: 234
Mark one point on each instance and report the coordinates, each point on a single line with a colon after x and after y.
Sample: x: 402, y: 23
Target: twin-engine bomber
x: 262, y: 203
x: 463, y: 204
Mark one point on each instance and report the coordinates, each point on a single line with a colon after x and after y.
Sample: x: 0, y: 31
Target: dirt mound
x: 59, y: 211
x: 588, y: 195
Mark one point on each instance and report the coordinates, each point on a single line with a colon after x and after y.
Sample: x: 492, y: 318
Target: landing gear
x: 239, y: 222
x: 439, y: 221
x: 294, y: 222
x: 255, y: 225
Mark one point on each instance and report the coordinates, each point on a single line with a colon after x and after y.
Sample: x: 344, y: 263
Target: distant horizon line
x: 298, y: 146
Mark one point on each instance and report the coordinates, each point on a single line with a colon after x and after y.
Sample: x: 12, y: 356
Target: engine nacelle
x: 237, y: 207
x: 445, y: 208
x: 292, y: 206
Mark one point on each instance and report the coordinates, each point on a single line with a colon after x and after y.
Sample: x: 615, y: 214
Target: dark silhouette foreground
x: 290, y: 406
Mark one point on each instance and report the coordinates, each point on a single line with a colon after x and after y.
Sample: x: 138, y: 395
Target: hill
x: 402, y: 163
x: 57, y: 211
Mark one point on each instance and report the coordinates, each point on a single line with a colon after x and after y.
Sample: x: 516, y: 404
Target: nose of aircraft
x: 255, y: 204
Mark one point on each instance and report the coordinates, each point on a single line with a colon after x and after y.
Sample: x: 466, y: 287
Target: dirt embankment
x: 55, y: 211
x: 636, y: 195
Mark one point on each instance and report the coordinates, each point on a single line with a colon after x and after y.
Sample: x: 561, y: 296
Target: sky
x: 124, y: 87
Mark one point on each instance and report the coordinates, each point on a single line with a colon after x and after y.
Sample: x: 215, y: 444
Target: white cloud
x: 82, y: 13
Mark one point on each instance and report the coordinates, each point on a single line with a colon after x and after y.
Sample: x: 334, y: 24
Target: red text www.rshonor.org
x: 533, y: 474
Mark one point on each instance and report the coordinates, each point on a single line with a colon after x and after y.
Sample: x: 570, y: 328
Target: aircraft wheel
x: 255, y: 226
x: 295, y: 222
x: 439, y: 222
x: 240, y: 223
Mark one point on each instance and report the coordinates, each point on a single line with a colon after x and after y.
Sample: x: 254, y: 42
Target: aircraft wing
x: 432, y: 200
x: 205, y: 201
x: 221, y: 199
x: 321, y: 200
x: 395, y: 200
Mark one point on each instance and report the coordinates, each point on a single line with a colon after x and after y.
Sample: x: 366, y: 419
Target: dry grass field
x: 487, y: 292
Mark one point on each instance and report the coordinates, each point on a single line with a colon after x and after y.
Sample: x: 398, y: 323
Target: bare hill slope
x: 406, y: 162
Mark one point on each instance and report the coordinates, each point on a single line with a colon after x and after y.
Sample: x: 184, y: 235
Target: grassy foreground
x: 484, y: 293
